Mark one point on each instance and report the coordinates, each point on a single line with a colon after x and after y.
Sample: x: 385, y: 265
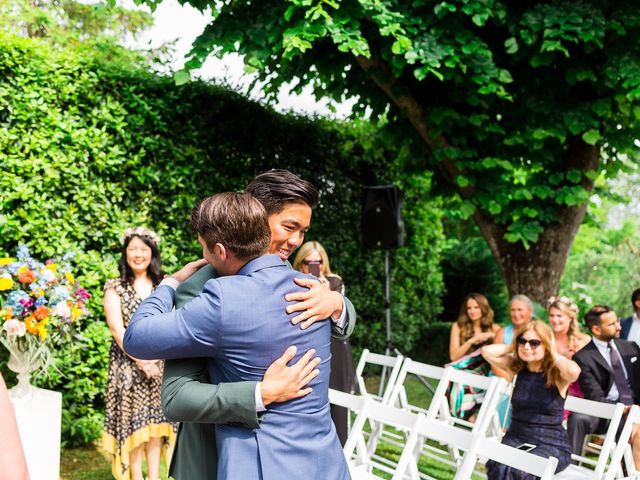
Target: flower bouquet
x: 39, y: 304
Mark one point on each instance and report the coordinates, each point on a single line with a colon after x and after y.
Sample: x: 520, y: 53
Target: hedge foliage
x: 91, y: 144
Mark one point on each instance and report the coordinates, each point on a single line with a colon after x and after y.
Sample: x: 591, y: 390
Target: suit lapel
x: 597, y: 357
x: 627, y: 355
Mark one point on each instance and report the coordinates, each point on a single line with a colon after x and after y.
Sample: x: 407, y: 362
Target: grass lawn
x: 90, y: 463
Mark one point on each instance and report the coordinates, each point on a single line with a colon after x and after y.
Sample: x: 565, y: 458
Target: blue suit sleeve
x: 157, y: 332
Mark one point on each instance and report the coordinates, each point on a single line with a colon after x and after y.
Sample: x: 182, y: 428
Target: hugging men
x: 240, y: 324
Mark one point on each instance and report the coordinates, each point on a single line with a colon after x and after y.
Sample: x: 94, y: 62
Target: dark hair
x: 465, y: 323
x: 593, y: 316
x: 276, y: 188
x: 635, y: 296
x: 236, y: 220
x: 154, y: 271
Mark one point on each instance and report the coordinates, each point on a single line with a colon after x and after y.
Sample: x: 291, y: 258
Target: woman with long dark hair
x: 134, y: 424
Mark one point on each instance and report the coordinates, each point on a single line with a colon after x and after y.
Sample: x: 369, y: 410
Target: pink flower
x: 82, y: 294
x: 15, y: 327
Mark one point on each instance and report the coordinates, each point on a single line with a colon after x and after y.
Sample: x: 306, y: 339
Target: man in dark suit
x: 610, y: 373
x: 631, y: 325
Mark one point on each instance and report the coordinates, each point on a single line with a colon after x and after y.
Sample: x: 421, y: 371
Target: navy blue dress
x: 536, y: 419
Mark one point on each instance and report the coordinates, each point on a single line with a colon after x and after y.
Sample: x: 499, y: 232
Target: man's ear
x: 636, y: 304
x: 595, y: 330
x: 220, y: 250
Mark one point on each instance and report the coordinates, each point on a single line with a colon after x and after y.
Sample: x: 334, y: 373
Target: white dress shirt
x: 634, y: 331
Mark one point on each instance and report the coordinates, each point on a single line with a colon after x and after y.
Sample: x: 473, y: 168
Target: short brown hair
x: 236, y: 220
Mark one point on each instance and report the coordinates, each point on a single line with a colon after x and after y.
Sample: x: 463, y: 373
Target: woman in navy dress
x: 543, y: 378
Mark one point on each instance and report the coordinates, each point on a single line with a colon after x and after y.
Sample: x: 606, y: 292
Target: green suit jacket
x: 188, y: 397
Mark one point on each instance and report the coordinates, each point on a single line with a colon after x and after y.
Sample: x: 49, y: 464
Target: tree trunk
x: 536, y: 271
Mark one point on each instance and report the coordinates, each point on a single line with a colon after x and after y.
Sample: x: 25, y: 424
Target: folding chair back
x: 392, y: 366
x: 623, y: 444
x: 362, y: 462
x: 494, y: 387
x: 424, y: 371
x: 608, y: 411
x: 492, y: 450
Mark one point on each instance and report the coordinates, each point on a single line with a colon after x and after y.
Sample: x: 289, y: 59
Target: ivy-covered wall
x: 89, y: 147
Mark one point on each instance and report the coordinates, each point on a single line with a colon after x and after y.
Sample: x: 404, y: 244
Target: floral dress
x: 133, y: 408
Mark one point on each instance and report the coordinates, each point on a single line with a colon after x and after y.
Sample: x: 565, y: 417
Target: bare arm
x: 569, y: 372
x: 456, y: 349
x: 113, y: 313
x: 500, y: 356
x: 499, y: 340
x: 12, y: 462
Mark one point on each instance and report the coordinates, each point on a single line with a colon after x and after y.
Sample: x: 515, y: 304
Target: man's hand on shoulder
x: 282, y: 383
x: 317, y: 303
x: 189, y: 269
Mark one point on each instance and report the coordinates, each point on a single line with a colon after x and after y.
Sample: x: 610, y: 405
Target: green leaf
x: 511, y: 45
x: 591, y: 136
x: 181, y: 77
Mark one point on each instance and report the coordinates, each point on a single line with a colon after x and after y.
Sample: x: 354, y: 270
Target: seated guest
x: 538, y: 397
x: 563, y: 318
x: 473, y: 329
x: 520, y: 313
x: 610, y: 373
x: 631, y: 325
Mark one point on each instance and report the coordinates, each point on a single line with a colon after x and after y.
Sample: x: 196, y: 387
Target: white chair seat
x: 576, y: 472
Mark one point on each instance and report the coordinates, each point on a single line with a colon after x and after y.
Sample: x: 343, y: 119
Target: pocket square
x: 633, y: 359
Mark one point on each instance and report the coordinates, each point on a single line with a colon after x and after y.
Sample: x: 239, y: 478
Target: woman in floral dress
x: 134, y: 424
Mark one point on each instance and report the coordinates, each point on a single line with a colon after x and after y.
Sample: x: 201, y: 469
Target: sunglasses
x: 533, y: 343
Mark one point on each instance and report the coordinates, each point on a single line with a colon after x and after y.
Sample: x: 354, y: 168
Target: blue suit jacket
x: 625, y: 324
x: 239, y: 323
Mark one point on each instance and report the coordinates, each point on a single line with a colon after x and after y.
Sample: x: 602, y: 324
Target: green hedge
x: 89, y: 147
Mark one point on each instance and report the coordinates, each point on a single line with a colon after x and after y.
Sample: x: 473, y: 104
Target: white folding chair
x: 608, y: 411
x: 494, y: 387
x: 492, y: 450
x: 392, y: 364
x: 364, y: 465
x: 421, y: 370
x: 622, y: 448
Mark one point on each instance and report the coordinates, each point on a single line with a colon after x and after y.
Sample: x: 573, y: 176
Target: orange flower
x: 42, y: 312
x: 32, y: 325
x: 27, y: 277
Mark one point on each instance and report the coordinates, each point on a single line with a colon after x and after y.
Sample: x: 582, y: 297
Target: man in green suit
x: 187, y: 395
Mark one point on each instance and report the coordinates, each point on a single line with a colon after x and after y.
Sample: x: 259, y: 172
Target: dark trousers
x: 580, y: 425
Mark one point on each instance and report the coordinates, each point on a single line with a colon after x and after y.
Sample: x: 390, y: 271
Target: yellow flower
x: 42, y: 331
x: 6, y: 313
x: 5, y: 283
x: 23, y: 269
x: 6, y: 260
x: 52, y: 267
x: 75, y: 313
x: 70, y: 278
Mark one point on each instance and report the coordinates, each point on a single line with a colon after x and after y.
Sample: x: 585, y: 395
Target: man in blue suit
x: 631, y: 325
x: 240, y: 323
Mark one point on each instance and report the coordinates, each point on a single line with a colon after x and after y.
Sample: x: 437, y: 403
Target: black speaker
x: 382, y: 225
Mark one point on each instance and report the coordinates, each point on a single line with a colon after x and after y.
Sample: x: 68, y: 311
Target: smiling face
x: 526, y: 351
x: 520, y: 313
x: 559, y: 321
x: 473, y: 310
x: 288, y: 228
x: 138, y: 255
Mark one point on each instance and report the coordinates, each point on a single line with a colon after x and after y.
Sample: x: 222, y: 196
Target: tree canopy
x: 518, y: 106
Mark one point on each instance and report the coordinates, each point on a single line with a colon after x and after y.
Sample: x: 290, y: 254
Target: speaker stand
x: 390, y: 347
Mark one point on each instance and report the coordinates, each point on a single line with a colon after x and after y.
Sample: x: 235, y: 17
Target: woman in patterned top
x: 134, y: 424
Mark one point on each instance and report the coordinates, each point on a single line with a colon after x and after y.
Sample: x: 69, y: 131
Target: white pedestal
x: 39, y: 417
